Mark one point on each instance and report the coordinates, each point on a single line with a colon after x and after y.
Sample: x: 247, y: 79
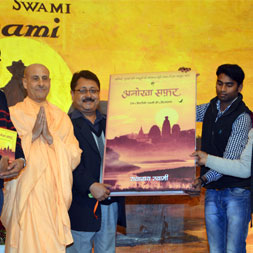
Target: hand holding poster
x: 150, y: 133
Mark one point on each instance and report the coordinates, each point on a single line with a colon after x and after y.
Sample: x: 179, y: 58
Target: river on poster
x: 150, y: 133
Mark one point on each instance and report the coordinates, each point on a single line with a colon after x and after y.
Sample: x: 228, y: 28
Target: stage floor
x: 176, y: 248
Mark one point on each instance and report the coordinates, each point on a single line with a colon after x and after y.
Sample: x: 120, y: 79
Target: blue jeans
x: 227, y: 215
x: 104, y: 240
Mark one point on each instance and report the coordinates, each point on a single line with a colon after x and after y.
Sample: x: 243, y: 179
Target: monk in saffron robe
x: 35, y: 212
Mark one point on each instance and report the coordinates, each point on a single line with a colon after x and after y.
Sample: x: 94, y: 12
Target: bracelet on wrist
x: 23, y: 160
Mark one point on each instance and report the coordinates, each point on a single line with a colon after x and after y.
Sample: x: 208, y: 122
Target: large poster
x: 150, y: 133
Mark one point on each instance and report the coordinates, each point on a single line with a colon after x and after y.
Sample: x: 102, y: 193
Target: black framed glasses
x: 85, y: 91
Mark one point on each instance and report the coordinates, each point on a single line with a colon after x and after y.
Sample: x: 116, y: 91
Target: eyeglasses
x: 85, y: 91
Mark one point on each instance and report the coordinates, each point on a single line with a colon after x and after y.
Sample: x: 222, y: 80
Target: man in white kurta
x: 35, y: 211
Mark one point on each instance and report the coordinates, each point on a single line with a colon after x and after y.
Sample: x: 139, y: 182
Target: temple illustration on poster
x: 150, y: 133
x: 8, y: 143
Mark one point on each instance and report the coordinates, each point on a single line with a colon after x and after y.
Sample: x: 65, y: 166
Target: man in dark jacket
x: 90, y: 224
x: 8, y: 170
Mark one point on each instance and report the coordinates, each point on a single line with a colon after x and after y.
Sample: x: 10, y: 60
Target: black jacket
x: 88, y: 171
x: 215, y: 136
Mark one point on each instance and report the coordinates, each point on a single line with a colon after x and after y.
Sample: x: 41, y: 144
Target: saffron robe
x: 35, y: 212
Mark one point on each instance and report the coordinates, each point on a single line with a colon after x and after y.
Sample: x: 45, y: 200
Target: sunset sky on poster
x: 127, y: 114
